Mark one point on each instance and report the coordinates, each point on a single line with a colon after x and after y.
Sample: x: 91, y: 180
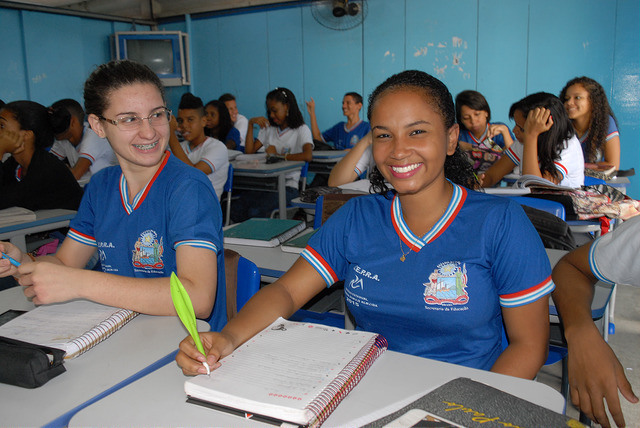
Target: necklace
x: 404, y: 256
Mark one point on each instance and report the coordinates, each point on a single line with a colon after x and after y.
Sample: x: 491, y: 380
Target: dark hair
x: 36, y: 118
x: 356, y: 97
x: 69, y: 108
x: 285, y: 96
x: 188, y: 101
x: 226, y: 97
x: 224, y: 121
x: 552, y: 142
x: 475, y: 101
x: 456, y: 166
x: 111, y: 76
x: 600, y: 112
x: 1, y: 103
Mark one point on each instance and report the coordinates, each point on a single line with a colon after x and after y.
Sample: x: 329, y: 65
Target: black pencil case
x: 28, y: 365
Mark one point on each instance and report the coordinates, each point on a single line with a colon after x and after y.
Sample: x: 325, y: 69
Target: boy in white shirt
x: 240, y: 122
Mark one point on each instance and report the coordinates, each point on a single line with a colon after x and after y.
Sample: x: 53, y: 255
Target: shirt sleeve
x: 81, y: 227
x: 304, y: 137
x: 331, y: 134
x: 613, y: 257
x: 365, y: 161
x: 612, y: 130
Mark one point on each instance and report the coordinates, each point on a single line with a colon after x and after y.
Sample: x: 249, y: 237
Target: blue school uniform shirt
x: 138, y: 238
x: 468, y: 137
x: 612, y: 131
x: 344, y: 138
x: 444, y: 301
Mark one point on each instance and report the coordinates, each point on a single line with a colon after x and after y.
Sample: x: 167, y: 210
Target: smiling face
x: 278, y: 112
x: 142, y: 147
x: 233, y: 110
x: 350, y: 106
x: 576, y: 102
x: 474, y: 120
x: 410, y: 140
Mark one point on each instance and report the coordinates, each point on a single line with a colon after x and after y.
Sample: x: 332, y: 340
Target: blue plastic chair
x: 228, y: 187
x: 248, y: 281
x: 555, y: 208
x: 592, y: 181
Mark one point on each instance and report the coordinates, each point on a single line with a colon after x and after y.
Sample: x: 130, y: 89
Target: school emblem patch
x: 148, y: 251
x: 447, y: 285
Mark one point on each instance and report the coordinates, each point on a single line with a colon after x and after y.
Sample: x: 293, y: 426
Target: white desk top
x: 261, y: 168
x: 141, y: 342
x: 43, y: 217
x: 393, y: 381
x: 272, y: 262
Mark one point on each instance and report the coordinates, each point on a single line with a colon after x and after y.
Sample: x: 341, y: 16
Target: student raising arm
x: 142, y: 215
x: 411, y: 242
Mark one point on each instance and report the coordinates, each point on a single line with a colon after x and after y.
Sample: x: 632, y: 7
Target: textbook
x: 75, y: 326
x: 291, y: 372
x: 529, y: 180
x: 15, y: 215
x: 464, y: 402
x: 263, y: 232
x: 298, y: 243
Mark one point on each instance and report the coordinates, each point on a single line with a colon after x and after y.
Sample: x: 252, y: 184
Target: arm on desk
x: 527, y: 327
x: 279, y: 299
x: 60, y: 278
x: 252, y: 145
x: 594, y: 371
x: 344, y: 171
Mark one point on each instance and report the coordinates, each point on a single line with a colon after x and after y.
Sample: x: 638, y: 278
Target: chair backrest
x: 303, y: 176
x: 593, y: 181
x: 328, y: 204
x: 242, y: 281
x: 555, y: 208
x: 228, y: 187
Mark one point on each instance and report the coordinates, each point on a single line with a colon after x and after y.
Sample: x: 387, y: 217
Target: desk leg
x: 20, y: 242
x: 282, y: 197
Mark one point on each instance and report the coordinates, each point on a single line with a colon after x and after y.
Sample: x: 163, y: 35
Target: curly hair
x: 600, y: 112
x: 551, y: 142
x: 456, y: 166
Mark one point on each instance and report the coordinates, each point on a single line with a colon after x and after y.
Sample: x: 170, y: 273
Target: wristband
x: 31, y: 256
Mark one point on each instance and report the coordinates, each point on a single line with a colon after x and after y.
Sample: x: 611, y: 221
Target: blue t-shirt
x: 139, y: 238
x: 468, y: 137
x: 234, y: 135
x: 612, y: 131
x: 444, y: 300
x: 344, y: 138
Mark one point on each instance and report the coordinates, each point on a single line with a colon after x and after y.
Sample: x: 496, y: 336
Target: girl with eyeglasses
x: 283, y: 134
x: 147, y: 217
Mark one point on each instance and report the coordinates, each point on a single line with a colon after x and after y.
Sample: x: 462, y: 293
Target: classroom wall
x: 502, y: 48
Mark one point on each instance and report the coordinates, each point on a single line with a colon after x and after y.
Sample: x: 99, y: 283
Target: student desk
x: 392, y: 382
x: 272, y: 262
x: 45, y: 220
x: 138, y: 344
x: 259, y: 169
x: 324, y: 160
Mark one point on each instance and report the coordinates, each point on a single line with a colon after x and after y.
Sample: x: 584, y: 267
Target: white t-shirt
x: 615, y: 256
x: 287, y: 141
x: 97, y: 150
x: 242, y: 124
x: 570, y: 165
x: 214, y: 153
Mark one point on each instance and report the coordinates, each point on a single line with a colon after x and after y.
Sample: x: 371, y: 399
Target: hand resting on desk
x: 216, y: 345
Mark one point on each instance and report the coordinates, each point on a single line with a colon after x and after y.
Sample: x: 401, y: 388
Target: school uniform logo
x: 447, y: 285
x: 148, y: 251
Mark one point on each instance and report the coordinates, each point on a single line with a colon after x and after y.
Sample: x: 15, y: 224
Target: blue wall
x: 503, y: 48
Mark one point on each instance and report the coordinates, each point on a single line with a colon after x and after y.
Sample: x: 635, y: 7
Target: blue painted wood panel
x: 13, y: 85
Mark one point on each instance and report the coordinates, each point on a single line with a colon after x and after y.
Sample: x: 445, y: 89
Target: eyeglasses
x: 132, y: 122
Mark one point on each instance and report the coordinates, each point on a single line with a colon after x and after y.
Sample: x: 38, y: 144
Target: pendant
x: 402, y: 258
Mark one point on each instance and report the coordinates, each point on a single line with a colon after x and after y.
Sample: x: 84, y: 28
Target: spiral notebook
x: 290, y: 372
x: 74, y: 326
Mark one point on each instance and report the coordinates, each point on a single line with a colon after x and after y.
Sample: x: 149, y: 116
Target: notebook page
x: 285, y: 366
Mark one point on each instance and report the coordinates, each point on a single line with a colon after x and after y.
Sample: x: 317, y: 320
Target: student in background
x: 593, y: 119
x: 85, y: 152
x: 428, y: 247
x: 547, y: 146
x: 595, y: 374
x: 31, y: 177
x: 482, y: 140
x: 239, y: 121
x: 148, y: 217
x: 283, y: 134
x: 343, y: 135
x: 220, y: 126
x: 197, y: 150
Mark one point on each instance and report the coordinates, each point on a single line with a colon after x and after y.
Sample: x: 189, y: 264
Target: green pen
x: 185, y: 311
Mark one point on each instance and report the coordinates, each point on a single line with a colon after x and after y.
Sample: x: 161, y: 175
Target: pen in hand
x: 185, y: 311
x: 11, y: 259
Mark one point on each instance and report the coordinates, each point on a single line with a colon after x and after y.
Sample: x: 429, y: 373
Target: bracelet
x: 31, y: 256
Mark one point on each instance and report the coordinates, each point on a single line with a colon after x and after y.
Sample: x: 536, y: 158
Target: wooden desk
x: 45, y: 220
x: 141, y: 342
x: 393, y: 381
x: 258, y: 168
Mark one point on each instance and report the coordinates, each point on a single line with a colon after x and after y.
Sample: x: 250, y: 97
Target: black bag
x: 28, y: 365
x: 554, y: 232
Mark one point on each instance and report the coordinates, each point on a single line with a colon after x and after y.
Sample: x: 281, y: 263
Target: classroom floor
x: 625, y: 343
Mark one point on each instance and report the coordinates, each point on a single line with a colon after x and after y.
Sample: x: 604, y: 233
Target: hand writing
x: 216, y: 346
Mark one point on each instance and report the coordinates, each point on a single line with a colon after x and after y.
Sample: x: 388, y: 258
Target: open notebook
x: 74, y: 326
x: 290, y: 372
